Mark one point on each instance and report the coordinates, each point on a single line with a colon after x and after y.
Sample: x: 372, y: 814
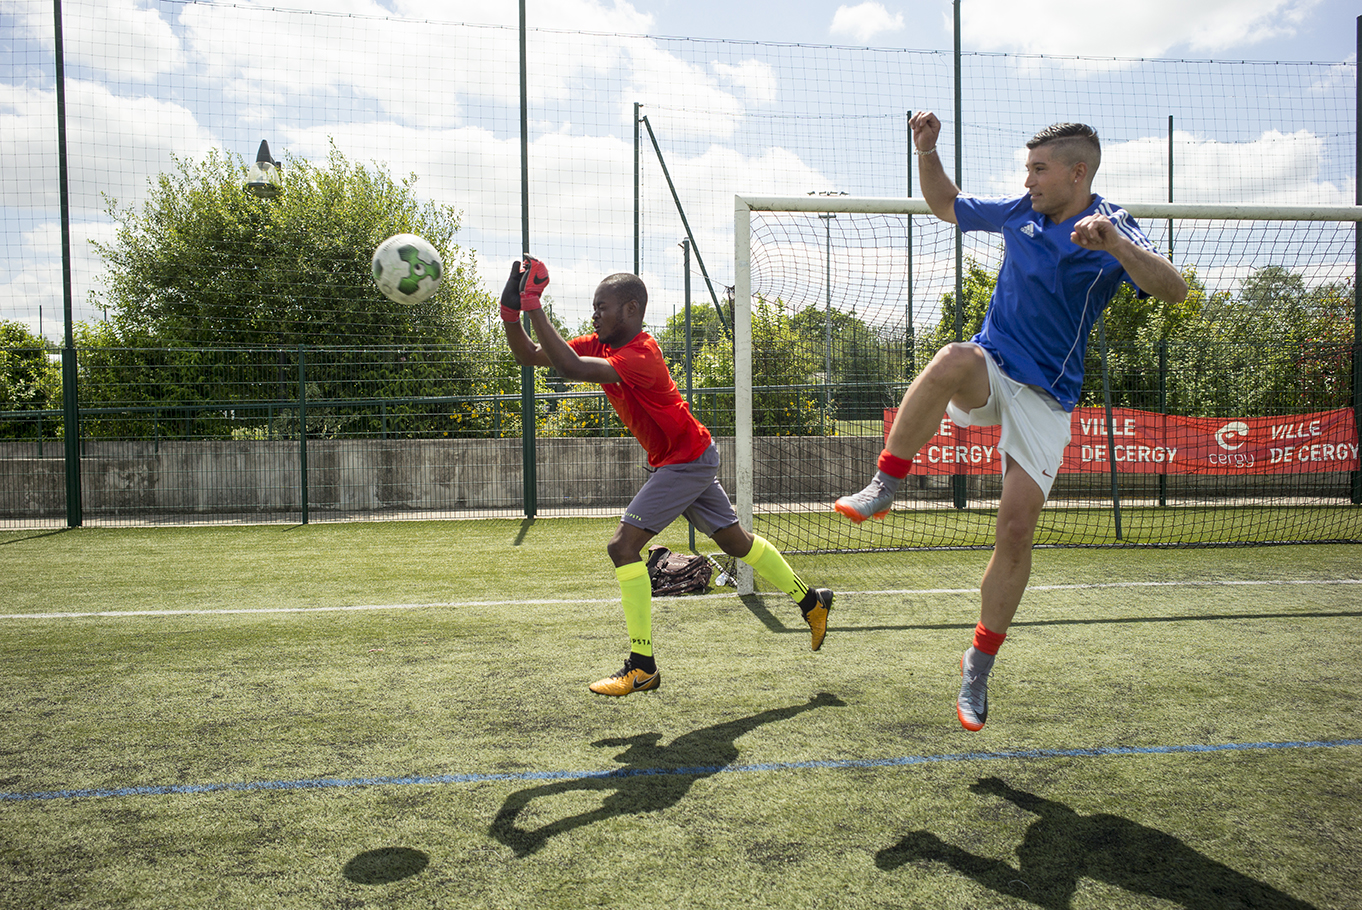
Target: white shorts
x: 1035, y: 427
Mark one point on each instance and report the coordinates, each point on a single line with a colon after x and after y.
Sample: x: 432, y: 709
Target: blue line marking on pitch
x: 324, y: 783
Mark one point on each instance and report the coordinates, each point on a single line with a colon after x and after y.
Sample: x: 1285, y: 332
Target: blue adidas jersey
x: 1050, y: 290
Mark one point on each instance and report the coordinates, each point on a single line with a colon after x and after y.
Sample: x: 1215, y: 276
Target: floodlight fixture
x: 265, y: 177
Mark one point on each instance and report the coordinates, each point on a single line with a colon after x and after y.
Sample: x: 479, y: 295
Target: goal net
x: 1231, y: 418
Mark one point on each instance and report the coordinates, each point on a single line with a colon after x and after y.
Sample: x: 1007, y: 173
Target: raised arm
x: 525, y: 351
x: 523, y: 293
x: 937, y: 188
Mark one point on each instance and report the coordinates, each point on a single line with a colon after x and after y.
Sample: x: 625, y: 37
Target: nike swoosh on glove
x: 534, y: 278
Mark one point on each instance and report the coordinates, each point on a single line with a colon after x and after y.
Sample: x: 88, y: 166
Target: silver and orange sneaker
x: 627, y: 681
x: 872, y: 502
x: 972, y: 704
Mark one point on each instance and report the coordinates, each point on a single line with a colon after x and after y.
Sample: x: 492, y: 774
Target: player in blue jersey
x: 1067, y: 251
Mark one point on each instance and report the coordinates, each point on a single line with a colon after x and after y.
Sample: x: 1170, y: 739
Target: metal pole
x: 827, y: 320
x: 1170, y: 185
x: 909, y: 352
x: 685, y: 223
x: 958, y: 482
x: 1163, y: 410
x: 529, y: 482
x: 1357, y: 277
x: 1111, y: 434
x: 685, y: 258
x: 302, y: 429
x: 638, y: 200
x: 69, y: 372
x: 742, y: 376
x: 1163, y: 344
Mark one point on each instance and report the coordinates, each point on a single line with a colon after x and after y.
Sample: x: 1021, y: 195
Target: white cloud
x: 864, y: 21
x: 115, y: 37
x: 756, y: 79
x: 1128, y: 30
x: 1275, y: 168
x: 575, y: 15
x: 111, y: 150
x: 273, y: 58
x: 32, y: 293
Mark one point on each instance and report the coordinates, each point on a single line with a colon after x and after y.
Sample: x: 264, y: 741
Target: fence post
x: 529, y: 477
x: 1357, y: 285
x: 71, y: 434
x: 1163, y: 409
x: 70, y: 407
x: 959, y: 481
x: 302, y: 429
x: 1111, y: 437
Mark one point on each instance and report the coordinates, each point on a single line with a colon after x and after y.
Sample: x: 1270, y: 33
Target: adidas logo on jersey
x: 1028, y: 229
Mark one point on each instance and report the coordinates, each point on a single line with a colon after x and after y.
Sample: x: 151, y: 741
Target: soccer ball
x: 407, y: 269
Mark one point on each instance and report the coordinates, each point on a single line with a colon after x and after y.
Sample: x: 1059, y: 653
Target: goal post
x: 1311, y: 246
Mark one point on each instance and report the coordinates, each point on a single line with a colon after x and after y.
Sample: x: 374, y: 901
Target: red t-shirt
x: 647, y: 400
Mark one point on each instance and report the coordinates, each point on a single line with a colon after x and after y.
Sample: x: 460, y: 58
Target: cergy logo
x: 1231, y: 436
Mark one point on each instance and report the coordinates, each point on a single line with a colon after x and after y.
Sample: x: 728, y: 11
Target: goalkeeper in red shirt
x: 683, y: 462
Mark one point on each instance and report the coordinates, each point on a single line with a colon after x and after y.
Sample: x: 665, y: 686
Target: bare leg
x: 1001, y: 591
x: 957, y: 373
x: 1009, y: 569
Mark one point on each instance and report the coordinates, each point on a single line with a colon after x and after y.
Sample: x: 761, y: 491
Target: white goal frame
x: 743, y: 206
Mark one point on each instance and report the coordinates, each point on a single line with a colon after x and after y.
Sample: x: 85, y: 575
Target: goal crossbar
x: 891, y: 205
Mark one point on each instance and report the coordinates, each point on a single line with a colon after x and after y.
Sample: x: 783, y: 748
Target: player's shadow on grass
x: 654, y: 777
x: 1062, y: 847
x: 757, y: 607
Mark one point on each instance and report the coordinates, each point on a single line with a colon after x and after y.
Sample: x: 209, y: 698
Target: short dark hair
x: 629, y: 286
x: 1073, y: 142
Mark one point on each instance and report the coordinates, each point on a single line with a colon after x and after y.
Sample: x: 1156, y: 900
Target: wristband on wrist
x: 930, y: 151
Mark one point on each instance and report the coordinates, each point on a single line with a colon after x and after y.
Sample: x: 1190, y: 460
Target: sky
x: 1285, y: 30
x: 171, y: 78
x: 1296, y: 30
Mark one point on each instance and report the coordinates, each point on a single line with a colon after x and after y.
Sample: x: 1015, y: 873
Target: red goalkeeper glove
x: 510, y: 297
x: 534, y: 278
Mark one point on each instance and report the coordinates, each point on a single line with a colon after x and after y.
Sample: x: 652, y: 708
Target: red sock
x: 894, y: 466
x: 986, y: 641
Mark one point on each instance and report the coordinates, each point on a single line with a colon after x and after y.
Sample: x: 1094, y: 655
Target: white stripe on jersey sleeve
x: 1121, y: 219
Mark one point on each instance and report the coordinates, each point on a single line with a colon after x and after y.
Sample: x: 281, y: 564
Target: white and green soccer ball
x: 407, y: 269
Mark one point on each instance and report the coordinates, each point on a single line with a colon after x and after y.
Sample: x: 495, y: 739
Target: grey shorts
x: 691, y: 489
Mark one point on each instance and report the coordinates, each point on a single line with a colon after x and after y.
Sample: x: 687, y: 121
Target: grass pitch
x: 396, y: 715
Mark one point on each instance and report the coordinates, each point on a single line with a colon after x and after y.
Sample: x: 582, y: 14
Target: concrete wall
x: 199, y: 478
x: 170, y: 481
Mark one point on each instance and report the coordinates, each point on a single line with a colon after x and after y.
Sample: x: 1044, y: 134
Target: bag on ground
x: 677, y: 573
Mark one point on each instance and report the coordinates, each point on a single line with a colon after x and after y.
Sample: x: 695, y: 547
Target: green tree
x: 977, y: 292
x: 204, y: 263
x: 866, y: 364
x: 705, y: 328
x: 787, y: 397
x: 29, y: 381
x: 211, y: 291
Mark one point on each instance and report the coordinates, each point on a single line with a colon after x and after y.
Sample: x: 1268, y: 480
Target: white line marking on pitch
x: 361, y: 608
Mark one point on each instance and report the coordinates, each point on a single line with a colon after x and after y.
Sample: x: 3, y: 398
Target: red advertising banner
x: 1144, y: 442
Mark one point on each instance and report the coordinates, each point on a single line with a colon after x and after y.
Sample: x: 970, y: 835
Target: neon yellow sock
x: 772, y: 566
x: 636, y: 596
